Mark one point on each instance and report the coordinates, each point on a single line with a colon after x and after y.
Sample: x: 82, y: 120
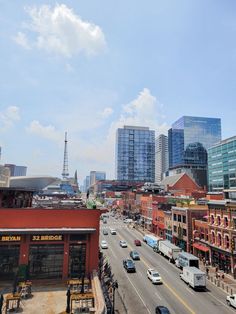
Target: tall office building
x: 161, y: 157
x: 97, y: 176
x: 16, y: 171
x: 188, y: 141
x: 222, y: 165
x: 135, y: 154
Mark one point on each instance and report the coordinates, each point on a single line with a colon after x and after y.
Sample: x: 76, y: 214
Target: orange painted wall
x: 36, y: 218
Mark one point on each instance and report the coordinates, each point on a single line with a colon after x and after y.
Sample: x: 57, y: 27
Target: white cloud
x: 8, y: 116
x: 145, y: 110
x: 22, y: 40
x: 48, y: 132
x: 59, y: 30
x: 107, y: 112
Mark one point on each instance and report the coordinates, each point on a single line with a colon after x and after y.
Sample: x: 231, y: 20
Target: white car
x: 231, y: 300
x: 104, y: 244
x: 154, y: 276
x: 113, y: 231
x: 123, y: 243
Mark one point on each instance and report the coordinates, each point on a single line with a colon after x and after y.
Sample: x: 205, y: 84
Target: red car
x: 137, y: 242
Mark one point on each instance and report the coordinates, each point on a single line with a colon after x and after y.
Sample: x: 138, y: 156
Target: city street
x: 139, y: 294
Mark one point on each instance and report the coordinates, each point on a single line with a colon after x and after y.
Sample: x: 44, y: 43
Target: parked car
x: 137, y: 242
x: 104, y: 244
x: 113, y: 231
x: 129, y: 265
x: 105, y: 232
x: 231, y: 300
x: 123, y: 243
x: 134, y: 255
x: 162, y: 310
x: 154, y: 276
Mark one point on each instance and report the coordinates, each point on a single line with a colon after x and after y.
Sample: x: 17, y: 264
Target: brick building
x: 182, y: 224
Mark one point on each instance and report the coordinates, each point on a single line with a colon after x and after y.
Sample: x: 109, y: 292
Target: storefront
x: 221, y: 259
x: 54, y: 252
x: 201, y: 251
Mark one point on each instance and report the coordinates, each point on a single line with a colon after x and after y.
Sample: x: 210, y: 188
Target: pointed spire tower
x: 65, y: 172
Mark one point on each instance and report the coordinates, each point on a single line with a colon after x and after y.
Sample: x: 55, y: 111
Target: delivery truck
x: 194, y: 277
x: 169, y: 250
x: 151, y: 240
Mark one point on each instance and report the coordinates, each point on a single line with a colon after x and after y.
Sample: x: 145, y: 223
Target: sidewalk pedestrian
x: 207, y: 272
x: 223, y: 276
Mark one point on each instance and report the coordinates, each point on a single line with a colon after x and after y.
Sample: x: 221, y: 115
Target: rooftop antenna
x: 65, y: 172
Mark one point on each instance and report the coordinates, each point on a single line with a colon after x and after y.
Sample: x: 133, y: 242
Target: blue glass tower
x: 189, y: 138
x: 135, y: 154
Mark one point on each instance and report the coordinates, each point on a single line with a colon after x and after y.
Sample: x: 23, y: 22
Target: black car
x: 162, y: 310
x: 134, y: 255
x: 129, y: 265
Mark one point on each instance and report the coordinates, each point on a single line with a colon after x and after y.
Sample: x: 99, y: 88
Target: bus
x: 187, y: 260
x: 151, y: 240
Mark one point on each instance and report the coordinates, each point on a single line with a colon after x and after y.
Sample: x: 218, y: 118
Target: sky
x: 88, y: 67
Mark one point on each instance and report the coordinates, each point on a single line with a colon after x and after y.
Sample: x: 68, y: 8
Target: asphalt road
x: 140, y: 295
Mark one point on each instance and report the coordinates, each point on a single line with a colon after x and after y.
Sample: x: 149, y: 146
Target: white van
x: 128, y: 220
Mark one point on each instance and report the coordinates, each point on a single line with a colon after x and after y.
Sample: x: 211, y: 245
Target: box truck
x: 194, y: 277
x: 151, y: 240
x: 169, y: 250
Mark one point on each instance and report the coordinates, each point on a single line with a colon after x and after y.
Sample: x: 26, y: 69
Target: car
x: 134, y: 255
x: 231, y: 300
x: 162, y: 310
x: 104, y: 221
x: 123, y: 243
x: 154, y: 276
x: 129, y: 265
x: 113, y: 231
x: 137, y: 242
x: 105, y: 232
x: 104, y: 244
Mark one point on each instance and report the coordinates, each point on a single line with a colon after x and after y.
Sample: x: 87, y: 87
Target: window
x: 226, y: 222
x: 213, y: 237
x: 212, y: 219
x: 227, y: 242
x: 179, y: 218
x: 184, y: 219
x: 175, y: 229
x: 184, y: 232
x: 218, y: 220
x: 174, y: 217
x: 219, y: 239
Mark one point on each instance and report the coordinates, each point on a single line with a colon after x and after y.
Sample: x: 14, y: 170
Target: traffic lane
x: 213, y: 295
x: 167, y: 293
x: 171, y: 275
x: 150, y: 295
x: 133, y: 300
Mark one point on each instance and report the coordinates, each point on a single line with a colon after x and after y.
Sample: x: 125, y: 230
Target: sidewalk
x: 222, y: 280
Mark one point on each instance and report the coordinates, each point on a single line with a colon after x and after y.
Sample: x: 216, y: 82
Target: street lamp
x: 114, y: 286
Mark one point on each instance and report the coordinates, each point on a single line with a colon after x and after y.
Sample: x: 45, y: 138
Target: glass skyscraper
x: 222, y: 165
x: 135, y: 154
x: 189, y: 138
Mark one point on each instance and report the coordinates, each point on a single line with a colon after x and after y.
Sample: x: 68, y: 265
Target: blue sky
x: 88, y: 67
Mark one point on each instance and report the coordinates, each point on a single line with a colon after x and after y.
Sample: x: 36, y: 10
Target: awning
x: 46, y: 230
x: 201, y: 247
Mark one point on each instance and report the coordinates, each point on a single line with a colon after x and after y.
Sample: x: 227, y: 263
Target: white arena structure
x: 35, y: 182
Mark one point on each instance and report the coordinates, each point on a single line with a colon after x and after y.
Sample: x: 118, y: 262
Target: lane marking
x: 167, y: 286
x: 221, y: 302
x: 138, y: 294
x: 189, y: 290
x: 157, y: 295
x: 112, y: 252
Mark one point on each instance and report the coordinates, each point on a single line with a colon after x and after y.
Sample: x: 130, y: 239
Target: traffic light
x: 232, y: 244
